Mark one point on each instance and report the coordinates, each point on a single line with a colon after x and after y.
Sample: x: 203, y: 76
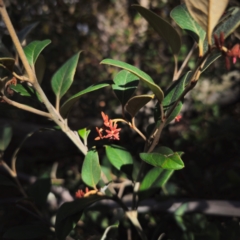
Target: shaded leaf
x: 22, y: 34
x: 118, y: 156
x: 33, y: 49
x: 5, y: 181
x: 142, y: 75
x: 136, y: 103
x: 171, y: 161
x: 125, y: 84
x: 5, y: 136
x: 40, y: 66
x: 162, y: 27
x: 227, y: 25
x: 213, y: 57
x: 63, y: 77
x: 182, y: 17
x: 70, y: 212
x: 8, y: 63
x: 91, y: 170
x: 66, y: 107
x: 207, y: 13
x: 33, y: 231
x: 40, y: 190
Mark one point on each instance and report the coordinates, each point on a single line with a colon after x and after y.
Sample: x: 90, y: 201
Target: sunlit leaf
x: 33, y: 49
x: 125, y: 84
x: 155, y: 178
x: 182, y: 17
x: 91, y: 170
x: 162, y: 27
x: 66, y: 107
x: 207, y: 13
x: 136, y: 103
x: 142, y: 75
x: 5, y: 136
x: 119, y: 157
x: 83, y: 133
x: 170, y: 161
x: 63, y: 77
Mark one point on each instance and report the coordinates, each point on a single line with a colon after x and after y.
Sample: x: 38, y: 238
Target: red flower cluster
x: 178, y: 118
x: 109, y: 130
x: 233, y: 53
x: 80, y: 193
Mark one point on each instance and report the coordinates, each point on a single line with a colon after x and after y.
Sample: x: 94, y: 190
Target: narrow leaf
x: 136, y: 103
x: 182, y: 17
x: 5, y: 136
x: 40, y: 66
x: 142, y: 75
x: 91, y: 170
x: 162, y: 27
x: 171, y: 161
x: 70, y: 212
x: 125, y: 84
x: 207, y: 13
x: 22, y: 34
x: 63, y: 78
x: 66, y: 107
x: 118, y: 156
x: 33, y: 49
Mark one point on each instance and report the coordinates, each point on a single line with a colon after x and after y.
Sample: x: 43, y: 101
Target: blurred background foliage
x: 208, y: 134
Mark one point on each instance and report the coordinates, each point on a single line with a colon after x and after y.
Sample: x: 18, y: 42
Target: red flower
x: 178, y: 118
x: 233, y: 53
x: 80, y: 193
x: 110, y: 129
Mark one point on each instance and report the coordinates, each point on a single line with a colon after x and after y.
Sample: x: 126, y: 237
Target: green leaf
x: 171, y: 161
x: 25, y: 91
x: 40, y: 190
x: 183, y: 18
x: 134, y: 104
x: 91, y: 170
x: 66, y: 107
x: 63, y: 77
x: 213, y: 57
x: 5, y: 136
x: 171, y: 96
x: 155, y: 178
x: 125, y: 84
x: 162, y: 27
x: 142, y: 75
x: 227, y: 25
x: 70, y: 212
x: 33, y: 49
x: 33, y: 231
x: 83, y: 133
x: 119, y: 157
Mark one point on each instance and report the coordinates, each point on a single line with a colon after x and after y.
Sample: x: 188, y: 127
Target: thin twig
x: 185, y: 62
x: 25, y: 107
